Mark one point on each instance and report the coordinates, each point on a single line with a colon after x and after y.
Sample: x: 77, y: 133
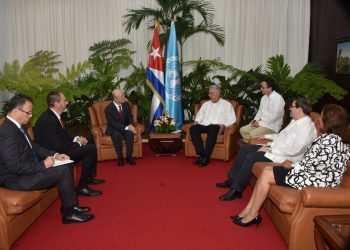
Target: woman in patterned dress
x: 322, y: 165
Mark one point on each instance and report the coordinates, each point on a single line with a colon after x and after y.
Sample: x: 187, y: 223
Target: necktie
x: 25, y: 135
x: 120, y: 110
x: 62, y: 122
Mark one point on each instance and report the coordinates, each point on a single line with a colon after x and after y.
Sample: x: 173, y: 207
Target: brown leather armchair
x: 226, y: 143
x: 103, y: 142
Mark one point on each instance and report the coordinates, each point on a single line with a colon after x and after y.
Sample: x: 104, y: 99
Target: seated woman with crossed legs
x: 322, y: 165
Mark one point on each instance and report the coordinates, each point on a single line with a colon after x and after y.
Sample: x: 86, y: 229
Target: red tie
x: 120, y: 110
x: 62, y: 123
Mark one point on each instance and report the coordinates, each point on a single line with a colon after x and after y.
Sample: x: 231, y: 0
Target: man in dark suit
x: 50, y: 133
x: 120, y: 125
x: 25, y: 165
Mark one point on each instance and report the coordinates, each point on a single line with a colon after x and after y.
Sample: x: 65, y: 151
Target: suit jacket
x: 16, y: 155
x: 115, y: 121
x: 50, y: 134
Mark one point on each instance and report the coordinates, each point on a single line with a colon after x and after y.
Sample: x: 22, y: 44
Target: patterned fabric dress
x: 323, y: 164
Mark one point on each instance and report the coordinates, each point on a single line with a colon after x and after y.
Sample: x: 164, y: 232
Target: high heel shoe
x: 235, y: 217
x: 257, y: 220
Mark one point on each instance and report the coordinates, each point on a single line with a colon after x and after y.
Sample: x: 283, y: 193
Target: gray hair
x: 215, y: 87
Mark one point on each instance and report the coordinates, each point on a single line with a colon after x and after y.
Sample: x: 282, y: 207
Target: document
x: 176, y: 131
x: 58, y: 162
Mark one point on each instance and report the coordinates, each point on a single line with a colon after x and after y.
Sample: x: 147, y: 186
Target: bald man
x: 120, y: 126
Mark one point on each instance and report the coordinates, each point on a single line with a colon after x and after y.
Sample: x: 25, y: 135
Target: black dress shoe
x: 225, y: 184
x: 95, y: 181
x: 80, y: 209
x: 203, y: 162
x: 76, y: 218
x: 230, y: 195
x: 257, y: 220
x: 120, y: 162
x: 86, y: 191
x: 131, y: 161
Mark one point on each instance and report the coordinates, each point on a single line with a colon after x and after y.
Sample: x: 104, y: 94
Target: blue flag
x: 173, y: 90
x: 155, y: 78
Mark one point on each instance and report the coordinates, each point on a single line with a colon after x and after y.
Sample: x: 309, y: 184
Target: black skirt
x: 280, y: 174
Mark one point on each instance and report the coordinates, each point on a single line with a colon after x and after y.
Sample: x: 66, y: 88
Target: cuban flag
x: 155, y: 78
x: 173, y: 91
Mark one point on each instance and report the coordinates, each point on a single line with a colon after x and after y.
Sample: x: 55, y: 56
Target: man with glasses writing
x: 25, y: 165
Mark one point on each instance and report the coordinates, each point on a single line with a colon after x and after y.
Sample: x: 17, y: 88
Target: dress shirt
x: 271, y: 111
x: 220, y: 112
x: 292, y: 142
x: 20, y: 128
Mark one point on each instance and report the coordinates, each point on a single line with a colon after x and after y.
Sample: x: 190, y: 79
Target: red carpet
x: 164, y: 203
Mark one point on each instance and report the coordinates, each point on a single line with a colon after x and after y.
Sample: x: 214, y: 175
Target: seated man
x: 120, y: 125
x: 212, y: 118
x: 25, y: 165
x: 289, y: 144
x: 269, y: 118
x: 50, y: 133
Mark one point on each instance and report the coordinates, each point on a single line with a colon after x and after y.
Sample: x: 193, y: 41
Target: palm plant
x: 184, y: 13
x: 310, y: 81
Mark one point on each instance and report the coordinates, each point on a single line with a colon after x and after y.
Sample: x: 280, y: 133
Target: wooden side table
x: 331, y: 231
x: 165, y: 143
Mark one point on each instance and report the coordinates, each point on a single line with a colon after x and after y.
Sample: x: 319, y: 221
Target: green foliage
x: 38, y: 76
x: 108, y: 58
x: 310, y: 81
x: 185, y: 12
x: 138, y: 93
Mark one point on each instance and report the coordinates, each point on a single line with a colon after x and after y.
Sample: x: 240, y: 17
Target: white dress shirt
x: 220, y: 112
x: 292, y: 142
x: 271, y: 111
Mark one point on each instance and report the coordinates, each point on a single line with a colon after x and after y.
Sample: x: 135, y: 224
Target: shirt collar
x: 15, y: 122
x: 56, y: 114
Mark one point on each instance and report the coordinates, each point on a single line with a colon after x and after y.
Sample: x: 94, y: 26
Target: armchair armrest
x: 326, y: 197
x: 229, y: 130
x: 139, y: 128
x: 186, y: 127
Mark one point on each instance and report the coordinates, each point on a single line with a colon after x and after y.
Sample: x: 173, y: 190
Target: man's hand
x: 82, y: 140
x: 254, y: 124
x: 61, y: 157
x: 287, y: 164
x: 49, y: 161
x: 132, y: 129
x: 222, y: 128
x: 264, y: 149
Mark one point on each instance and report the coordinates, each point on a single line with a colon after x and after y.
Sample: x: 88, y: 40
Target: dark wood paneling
x: 330, y: 20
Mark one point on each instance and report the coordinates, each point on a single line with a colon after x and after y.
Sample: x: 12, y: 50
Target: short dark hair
x: 270, y: 83
x: 303, y: 103
x: 52, y: 97
x: 18, y: 100
x: 335, y: 120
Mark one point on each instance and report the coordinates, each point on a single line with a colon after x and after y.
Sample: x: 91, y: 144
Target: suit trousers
x: 88, y: 156
x: 117, y: 139
x: 60, y: 176
x: 212, y: 131
x: 241, y: 171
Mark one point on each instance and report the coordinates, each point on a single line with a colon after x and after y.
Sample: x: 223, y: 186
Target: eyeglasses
x: 27, y: 112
